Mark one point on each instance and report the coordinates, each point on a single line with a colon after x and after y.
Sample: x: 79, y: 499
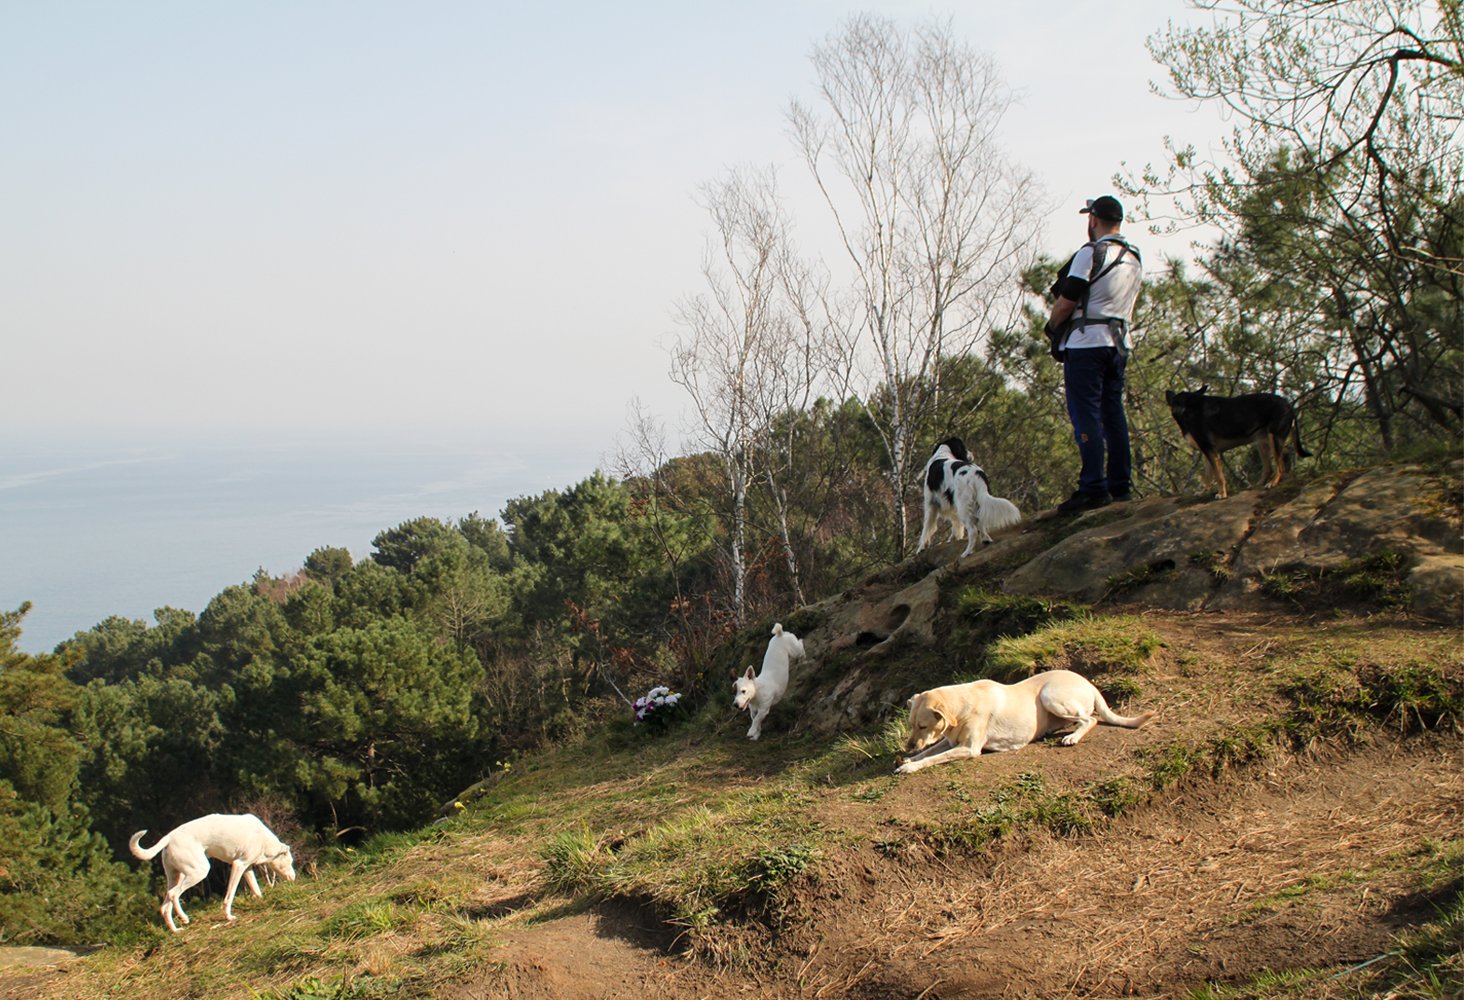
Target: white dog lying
x: 759, y: 694
x: 241, y: 841
x: 960, y: 720
x: 956, y: 489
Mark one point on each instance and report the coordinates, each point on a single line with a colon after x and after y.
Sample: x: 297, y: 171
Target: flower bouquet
x: 658, y: 708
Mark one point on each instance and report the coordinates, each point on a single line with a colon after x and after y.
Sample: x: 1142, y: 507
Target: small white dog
x: 241, y: 841
x: 759, y: 694
x: 958, y: 721
x: 957, y: 489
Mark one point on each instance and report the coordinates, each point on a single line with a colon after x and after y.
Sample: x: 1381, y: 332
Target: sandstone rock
x: 1162, y: 548
x: 1401, y: 523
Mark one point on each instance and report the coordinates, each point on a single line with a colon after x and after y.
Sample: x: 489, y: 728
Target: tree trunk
x: 898, y: 450
x: 738, y: 542
x: 780, y: 497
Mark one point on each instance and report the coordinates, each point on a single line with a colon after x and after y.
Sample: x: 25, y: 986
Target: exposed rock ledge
x: 1387, y: 536
x: 1172, y: 554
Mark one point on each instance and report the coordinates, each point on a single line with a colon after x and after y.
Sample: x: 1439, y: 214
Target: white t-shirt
x: 1112, y: 295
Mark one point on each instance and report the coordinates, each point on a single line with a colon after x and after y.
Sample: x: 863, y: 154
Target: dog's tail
x: 149, y: 853
x: 996, y: 513
x: 1106, y: 714
x: 1301, y: 451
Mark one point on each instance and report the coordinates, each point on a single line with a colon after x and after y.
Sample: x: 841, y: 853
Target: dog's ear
x: 1169, y: 396
x: 750, y: 675
x: 1203, y: 389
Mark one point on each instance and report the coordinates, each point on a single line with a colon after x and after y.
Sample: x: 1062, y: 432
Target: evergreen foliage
x: 58, y: 882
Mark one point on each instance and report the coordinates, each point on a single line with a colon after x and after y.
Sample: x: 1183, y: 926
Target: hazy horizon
x: 110, y: 530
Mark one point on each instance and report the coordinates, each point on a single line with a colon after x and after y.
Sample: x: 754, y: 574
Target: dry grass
x: 728, y: 840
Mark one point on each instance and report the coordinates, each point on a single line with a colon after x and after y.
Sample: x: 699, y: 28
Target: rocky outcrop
x: 1391, y: 535
x: 1382, y: 538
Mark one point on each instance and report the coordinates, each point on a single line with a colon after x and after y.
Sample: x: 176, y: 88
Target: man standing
x: 1088, y: 328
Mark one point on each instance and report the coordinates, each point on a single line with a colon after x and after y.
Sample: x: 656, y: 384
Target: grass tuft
x: 574, y: 861
x: 367, y: 919
x: 991, y: 614
x: 1378, y: 580
x: 1342, y: 700
x: 314, y: 988
x: 1089, y: 645
x: 1137, y: 578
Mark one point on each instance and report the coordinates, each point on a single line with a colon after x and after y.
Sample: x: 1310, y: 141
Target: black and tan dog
x: 1214, y: 424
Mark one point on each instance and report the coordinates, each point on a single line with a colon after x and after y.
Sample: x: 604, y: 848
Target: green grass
x: 1124, y: 583
x: 1217, y: 563
x: 1345, y: 699
x: 573, y: 859
x: 988, y: 614
x: 1089, y: 644
x: 313, y: 988
x: 368, y: 919
x: 1374, y: 581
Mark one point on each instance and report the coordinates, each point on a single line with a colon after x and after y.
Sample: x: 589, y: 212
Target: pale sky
x: 441, y: 217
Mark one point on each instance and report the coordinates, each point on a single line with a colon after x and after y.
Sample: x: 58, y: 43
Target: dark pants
x: 1093, y: 377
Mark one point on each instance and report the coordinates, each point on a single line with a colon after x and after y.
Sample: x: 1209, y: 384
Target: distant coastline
x: 91, y: 530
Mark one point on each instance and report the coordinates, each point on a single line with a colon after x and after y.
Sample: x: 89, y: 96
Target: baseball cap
x: 1105, y: 207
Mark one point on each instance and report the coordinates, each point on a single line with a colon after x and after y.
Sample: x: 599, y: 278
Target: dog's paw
x: 909, y: 767
x: 1070, y: 740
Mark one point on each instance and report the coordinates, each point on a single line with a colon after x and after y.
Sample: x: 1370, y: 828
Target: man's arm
x: 1061, y: 310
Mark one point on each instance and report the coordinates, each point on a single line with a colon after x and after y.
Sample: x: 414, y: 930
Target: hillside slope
x: 1290, y: 824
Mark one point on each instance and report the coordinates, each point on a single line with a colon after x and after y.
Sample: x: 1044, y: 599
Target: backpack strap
x: 1098, y: 270
x: 1058, y: 339
x: 1117, y: 327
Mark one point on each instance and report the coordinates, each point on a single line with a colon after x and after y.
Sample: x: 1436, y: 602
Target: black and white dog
x: 958, y: 490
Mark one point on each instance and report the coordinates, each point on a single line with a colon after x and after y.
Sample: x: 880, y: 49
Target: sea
x: 92, y: 528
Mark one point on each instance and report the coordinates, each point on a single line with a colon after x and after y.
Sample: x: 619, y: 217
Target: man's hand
x: 1054, y: 340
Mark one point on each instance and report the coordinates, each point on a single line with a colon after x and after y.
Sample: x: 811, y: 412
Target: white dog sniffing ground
x: 956, y: 489
x: 241, y: 841
x: 759, y: 694
x: 959, y: 721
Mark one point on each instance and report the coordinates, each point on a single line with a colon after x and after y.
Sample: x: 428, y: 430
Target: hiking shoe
x: 1080, y: 502
x: 1123, y: 497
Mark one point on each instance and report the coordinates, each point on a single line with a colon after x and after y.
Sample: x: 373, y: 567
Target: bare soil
x: 1300, y: 863
x: 1297, y: 867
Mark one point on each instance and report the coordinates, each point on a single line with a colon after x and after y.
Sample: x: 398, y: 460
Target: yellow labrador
x: 959, y: 721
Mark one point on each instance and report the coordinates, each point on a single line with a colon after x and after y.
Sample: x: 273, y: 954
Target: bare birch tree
x: 729, y: 350
x: 935, y: 223
x: 792, y: 367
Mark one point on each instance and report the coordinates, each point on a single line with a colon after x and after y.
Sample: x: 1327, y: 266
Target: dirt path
x: 24, y: 970
x: 1295, y: 867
